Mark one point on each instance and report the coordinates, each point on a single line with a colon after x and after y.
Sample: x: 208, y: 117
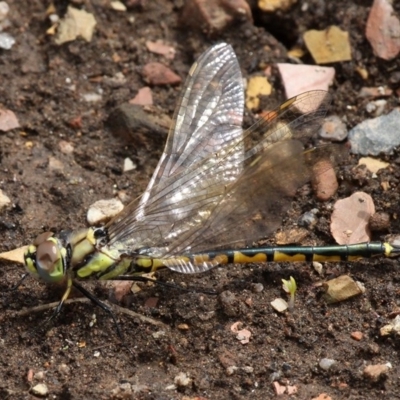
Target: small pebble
x: 155, y: 73
x: 92, y: 97
x: 318, y: 267
x: 214, y: 15
x: 129, y: 165
x: 257, y: 287
x: 8, y: 120
x: 373, y: 348
x: 158, y: 334
x: 40, y: 390
x: 382, y: 24
x: 116, y: 81
x: 334, y: 129
x: 272, y: 6
x: 392, y: 328
x: 373, y: 164
x: 243, y: 336
x: 350, y: 218
x: 118, y: 6
x: 103, y: 210
x: 286, y: 367
x: 256, y: 87
x: 40, y: 375
x: 231, y: 370
x: 229, y: 303
x: 324, y: 182
x: 54, y: 18
x: 64, y: 369
x: 182, y: 380
x: 326, y: 363
x: 159, y: 47
x: 6, y: 41
x: 248, y: 369
x: 379, y: 222
x: 357, y: 335
x: 279, y: 305
x: 144, y: 97
x: 4, y: 200
x: 308, y: 219
x: 341, y: 288
x: 29, y: 376
x: 279, y: 389
x: 4, y: 10
x: 299, y: 78
x: 65, y: 147
x: 329, y: 45
x: 379, y: 91
x: 55, y: 165
x: 275, y: 376
x: 75, y: 23
x: 376, y: 107
x: 376, y: 372
x: 377, y: 135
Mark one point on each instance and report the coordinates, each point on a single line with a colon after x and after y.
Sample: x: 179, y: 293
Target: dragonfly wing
x: 252, y: 206
x: 207, y: 121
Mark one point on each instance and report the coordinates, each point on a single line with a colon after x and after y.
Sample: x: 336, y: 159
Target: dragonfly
x: 216, y: 190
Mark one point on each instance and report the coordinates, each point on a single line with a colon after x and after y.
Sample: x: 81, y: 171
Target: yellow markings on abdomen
x: 241, y: 258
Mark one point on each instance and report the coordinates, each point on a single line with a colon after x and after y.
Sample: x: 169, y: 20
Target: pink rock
x: 8, y: 120
x: 350, y: 219
x: 156, y: 73
x: 376, y: 372
x: 298, y: 78
x: 383, y: 30
x: 279, y: 389
x: 144, y: 97
x: 158, y: 47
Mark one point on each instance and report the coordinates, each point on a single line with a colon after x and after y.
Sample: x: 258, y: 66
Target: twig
x: 49, y: 306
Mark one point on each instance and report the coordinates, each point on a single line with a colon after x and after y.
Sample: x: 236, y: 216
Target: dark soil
x: 78, y: 361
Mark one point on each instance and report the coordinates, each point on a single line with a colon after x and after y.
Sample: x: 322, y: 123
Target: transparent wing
x: 214, y: 184
x: 252, y: 207
x: 207, y: 122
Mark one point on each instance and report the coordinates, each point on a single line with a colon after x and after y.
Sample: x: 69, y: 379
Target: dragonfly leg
x: 62, y: 301
x: 15, y: 287
x: 105, y: 308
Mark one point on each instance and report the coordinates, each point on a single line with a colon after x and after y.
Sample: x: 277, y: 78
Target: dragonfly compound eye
x: 50, y: 260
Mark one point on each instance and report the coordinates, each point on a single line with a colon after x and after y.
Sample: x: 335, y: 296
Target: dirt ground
x: 79, y: 355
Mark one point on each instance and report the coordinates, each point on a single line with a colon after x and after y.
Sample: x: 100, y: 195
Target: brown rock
x: 324, y: 182
x: 156, y: 73
x: 357, y: 335
x: 214, y: 15
x: 341, y: 288
x: 380, y: 221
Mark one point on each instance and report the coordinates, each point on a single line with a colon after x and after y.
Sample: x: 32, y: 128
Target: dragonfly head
x: 46, y: 258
